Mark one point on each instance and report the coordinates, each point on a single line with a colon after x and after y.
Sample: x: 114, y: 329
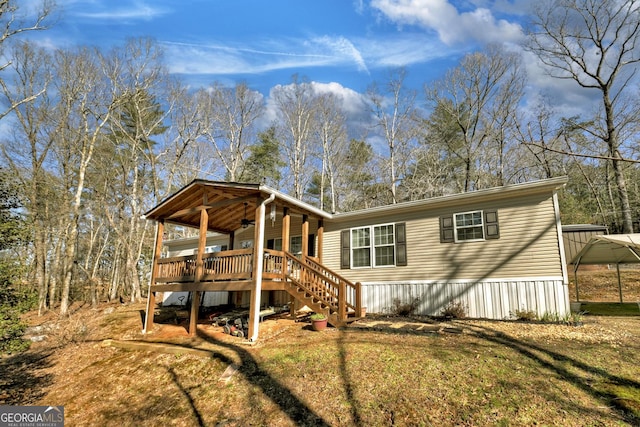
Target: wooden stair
x: 323, y: 291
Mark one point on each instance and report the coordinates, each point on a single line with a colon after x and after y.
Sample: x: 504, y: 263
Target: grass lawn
x: 611, y: 309
x: 387, y: 372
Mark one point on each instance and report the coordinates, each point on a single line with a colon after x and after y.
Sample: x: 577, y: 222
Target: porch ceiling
x: 227, y: 204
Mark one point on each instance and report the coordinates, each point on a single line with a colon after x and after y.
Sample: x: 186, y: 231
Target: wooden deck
x: 304, y: 278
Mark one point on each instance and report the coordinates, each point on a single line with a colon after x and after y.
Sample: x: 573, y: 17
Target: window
x: 215, y: 248
x: 361, y: 247
x: 469, y: 226
x: 295, y: 244
x: 374, y: 246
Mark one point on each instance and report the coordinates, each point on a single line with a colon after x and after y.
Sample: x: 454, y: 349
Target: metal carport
x: 610, y: 249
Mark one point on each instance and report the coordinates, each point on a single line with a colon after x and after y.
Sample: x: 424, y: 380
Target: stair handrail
x: 338, y: 289
x: 347, y: 288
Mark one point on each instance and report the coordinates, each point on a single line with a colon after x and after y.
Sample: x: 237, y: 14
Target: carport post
x: 619, y: 282
x: 575, y: 275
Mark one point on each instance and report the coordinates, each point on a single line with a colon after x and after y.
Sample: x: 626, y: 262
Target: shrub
x: 454, y: 310
x: 405, y: 308
x: 12, y: 304
x: 525, y: 315
x: 549, y: 317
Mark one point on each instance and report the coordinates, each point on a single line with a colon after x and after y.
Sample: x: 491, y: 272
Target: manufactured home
x: 493, y: 251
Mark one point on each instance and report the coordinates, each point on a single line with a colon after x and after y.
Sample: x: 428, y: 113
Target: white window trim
x: 455, y: 227
x: 372, y: 247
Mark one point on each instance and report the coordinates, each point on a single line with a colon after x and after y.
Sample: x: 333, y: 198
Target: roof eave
x: 533, y: 187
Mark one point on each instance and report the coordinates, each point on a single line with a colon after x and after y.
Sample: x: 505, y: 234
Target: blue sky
x: 264, y: 43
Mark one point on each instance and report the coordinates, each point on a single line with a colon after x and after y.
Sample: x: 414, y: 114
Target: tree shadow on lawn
x: 295, y: 409
x: 20, y: 381
x: 558, y: 363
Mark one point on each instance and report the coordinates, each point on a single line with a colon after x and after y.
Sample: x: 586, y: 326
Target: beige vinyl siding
x: 492, y: 299
x: 273, y: 230
x: 528, y: 245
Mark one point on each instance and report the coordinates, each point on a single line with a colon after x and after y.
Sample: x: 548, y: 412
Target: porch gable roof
x: 228, y: 204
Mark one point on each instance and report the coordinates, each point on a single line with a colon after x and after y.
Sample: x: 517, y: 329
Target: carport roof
x: 610, y: 249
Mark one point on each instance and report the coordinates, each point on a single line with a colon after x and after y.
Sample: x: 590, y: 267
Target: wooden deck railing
x: 176, y: 269
x: 320, y: 283
x: 236, y: 264
x: 225, y: 265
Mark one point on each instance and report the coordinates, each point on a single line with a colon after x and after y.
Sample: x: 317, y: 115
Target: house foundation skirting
x: 488, y: 299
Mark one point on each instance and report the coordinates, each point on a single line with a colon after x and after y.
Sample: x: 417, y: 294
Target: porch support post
x: 151, y: 297
x: 305, y: 235
x: 202, y: 241
x: 286, y: 233
x: 305, y: 247
x: 320, y: 239
x: 232, y: 240
x: 286, y: 229
x: 258, y: 262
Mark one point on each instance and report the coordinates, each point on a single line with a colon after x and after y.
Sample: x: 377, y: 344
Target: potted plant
x: 318, y: 321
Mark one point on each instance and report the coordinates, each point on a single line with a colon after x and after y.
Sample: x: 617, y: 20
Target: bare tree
x: 181, y: 158
x: 331, y: 134
x: 13, y: 23
x: 86, y: 102
x: 29, y: 145
x: 595, y: 44
x: 479, y: 99
x: 539, y: 136
x: 394, y: 112
x: 296, y: 108
x: 228, y: 117
x: 138, y: 78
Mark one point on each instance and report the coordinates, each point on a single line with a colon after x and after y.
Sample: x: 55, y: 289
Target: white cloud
x: 220, y: 58
x: 343, y: 46
x: 403, y: 49
x: 352, y: 102
x: 263, y: 55
x: 137, y: 10
x: 453, y: 27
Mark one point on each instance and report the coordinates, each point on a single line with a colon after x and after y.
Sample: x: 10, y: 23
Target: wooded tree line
x: 93, y: 139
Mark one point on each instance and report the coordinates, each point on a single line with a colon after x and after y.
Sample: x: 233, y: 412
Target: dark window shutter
x: 345, y: 249
x: 271, y: 244
x: 401, y: 244
x: 491, y: 228
x: 446, y: 229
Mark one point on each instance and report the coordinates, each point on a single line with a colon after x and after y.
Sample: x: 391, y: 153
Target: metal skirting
x: 489, y: 299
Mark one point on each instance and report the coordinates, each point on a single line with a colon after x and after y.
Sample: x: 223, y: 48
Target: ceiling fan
x: 245, y: 222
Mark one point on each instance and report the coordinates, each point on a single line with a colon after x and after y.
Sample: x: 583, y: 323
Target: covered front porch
x: 235, y: 209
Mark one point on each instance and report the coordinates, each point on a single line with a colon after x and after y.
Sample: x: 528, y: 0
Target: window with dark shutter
x: 469, y: 226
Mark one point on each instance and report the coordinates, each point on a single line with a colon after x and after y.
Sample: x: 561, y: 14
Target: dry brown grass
x: 601, y: 284
x: 380, y: 372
